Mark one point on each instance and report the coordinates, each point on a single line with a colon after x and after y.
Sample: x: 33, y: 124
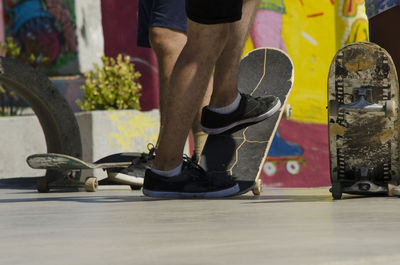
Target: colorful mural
x: 45, y: 28
x: 311, y: 31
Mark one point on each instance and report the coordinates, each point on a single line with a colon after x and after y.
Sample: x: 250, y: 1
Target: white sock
x: 169, y: 173
x: 228, y: 109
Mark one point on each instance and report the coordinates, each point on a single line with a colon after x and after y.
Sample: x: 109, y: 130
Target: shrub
x: 113, y: 86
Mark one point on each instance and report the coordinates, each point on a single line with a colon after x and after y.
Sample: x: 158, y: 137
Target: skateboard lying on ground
x: 363, y: 99
x: 241, y: 154
x: 115, y: 165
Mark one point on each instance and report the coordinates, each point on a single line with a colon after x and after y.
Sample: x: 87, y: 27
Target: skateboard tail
x: 275, y: 63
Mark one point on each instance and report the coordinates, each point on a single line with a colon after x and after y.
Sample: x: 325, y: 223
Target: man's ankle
x: 229, y: 108
x: 168, y: 173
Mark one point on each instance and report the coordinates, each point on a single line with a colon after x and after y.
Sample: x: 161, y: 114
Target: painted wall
x: 68, y: 32
x: 311, y: 31
x: 44, y: 27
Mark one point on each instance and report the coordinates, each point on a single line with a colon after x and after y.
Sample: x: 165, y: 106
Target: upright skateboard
x: 363, y: 100
x: 115, y: 165
x: 241, y: 154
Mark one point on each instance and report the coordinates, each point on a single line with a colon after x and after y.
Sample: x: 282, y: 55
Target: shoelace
x: 147, y: 156
x: 196, y: 172
x: 144, y: 157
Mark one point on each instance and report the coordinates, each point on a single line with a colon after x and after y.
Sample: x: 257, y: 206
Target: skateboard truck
x: 364, y: 185
x: 362, y: 103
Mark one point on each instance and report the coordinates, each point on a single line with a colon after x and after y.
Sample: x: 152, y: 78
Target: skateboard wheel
x: 336, y: 191
x: 393, y: 190
x: 91, y: 184
x: 42, y: 185
x: 333, y: 108
x: 257, y: 189
x: 389, y: 109
x: 287, y: 112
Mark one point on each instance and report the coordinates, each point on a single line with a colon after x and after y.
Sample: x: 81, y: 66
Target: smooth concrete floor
x: 283, y: 226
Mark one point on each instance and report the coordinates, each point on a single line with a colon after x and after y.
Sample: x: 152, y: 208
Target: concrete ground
x: 283, y: 226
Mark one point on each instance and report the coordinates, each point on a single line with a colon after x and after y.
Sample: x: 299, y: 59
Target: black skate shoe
x: 192, y: 182
x: 251, y: 110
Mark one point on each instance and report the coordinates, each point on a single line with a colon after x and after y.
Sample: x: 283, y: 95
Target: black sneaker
x: 193, y: 182
x: 134, y: 174
x: 250, y: 110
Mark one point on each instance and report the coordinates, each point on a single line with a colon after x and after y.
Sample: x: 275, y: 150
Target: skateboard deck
x: 113, y: 164
x: 241, y: 154
x: 363, y: 100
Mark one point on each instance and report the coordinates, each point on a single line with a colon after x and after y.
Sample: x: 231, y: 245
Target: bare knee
x: 165, y: 40
x: 208, y: 41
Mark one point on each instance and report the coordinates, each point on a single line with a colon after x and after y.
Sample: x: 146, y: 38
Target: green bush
x: 114, y: 86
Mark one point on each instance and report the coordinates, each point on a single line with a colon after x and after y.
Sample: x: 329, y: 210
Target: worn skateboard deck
x: 363, y: 100
x: 264, y: 71
x: 68, y: 164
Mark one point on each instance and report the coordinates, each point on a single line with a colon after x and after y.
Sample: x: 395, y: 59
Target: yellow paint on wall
x: 309, y: 34
x: 313, y: 30
x: 351, y: 22
x: 133, y: 131
x: 248, y: 47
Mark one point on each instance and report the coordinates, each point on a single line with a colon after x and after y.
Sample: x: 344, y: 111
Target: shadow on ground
x: 19, y: 183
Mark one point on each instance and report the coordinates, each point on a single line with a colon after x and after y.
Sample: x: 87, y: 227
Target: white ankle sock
x: 230, y: 108
x: 169, y: 173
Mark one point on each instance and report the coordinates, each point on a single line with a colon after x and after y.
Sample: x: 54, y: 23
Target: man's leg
x: 208, y: 45
x: 384, y: 30
x: 187, y: 88
x: 227, y: 67
x: 172, y: 176
x: 227, y: 108
x: 162, y: 24
x: 167, y: 44
x: 193, y: 69
x: 226, y: 80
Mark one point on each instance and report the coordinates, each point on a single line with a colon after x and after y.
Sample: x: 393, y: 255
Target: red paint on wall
x: 310, y: 169
x: 316, y: 14
x: 120, y: 29
x: 2, y: 37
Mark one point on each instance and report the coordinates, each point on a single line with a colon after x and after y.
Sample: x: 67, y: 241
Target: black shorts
x: 159, y: 13
x: 214, y: 11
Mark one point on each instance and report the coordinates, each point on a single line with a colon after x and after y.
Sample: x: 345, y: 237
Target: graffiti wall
x: 310, y: 31
x: 45, y: 28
